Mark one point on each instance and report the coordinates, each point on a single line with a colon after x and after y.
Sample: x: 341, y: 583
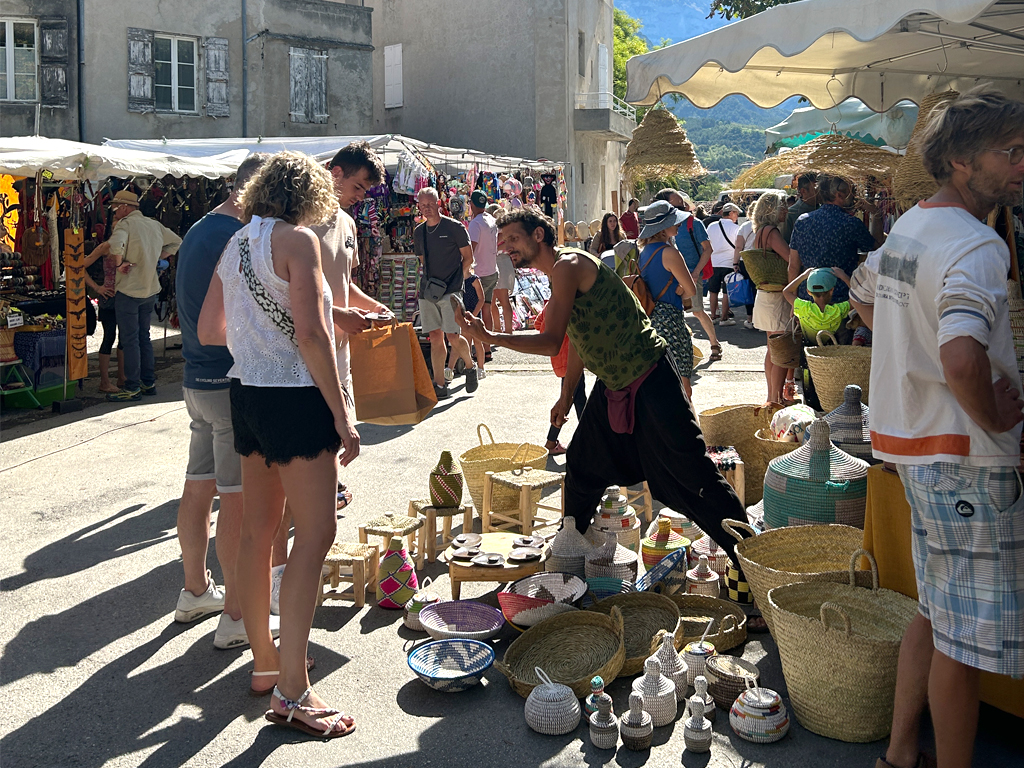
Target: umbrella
x: 659, y: 149
x: 880, y: 51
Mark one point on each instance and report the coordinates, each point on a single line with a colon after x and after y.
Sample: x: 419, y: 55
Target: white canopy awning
x: 67, y: 160
x: 852, y: 118
x: 880, y: 51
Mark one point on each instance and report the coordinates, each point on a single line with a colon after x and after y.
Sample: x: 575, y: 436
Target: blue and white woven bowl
x: 451, y: 665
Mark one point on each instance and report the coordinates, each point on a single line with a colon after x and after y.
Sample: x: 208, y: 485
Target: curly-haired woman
x: 269, y: 303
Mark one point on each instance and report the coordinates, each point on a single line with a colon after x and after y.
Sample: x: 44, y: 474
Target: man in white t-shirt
x: 722, y: 234
x: 945, y: 408
x: 483, y: 235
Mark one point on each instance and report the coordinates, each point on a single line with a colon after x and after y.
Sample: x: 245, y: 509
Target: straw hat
x: 912, y: 183
x: 830, y: 153
x: 660, y: 149
x: 124, y: 197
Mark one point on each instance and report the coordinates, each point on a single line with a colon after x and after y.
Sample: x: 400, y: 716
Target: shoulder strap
x: 721, y: 227
x: 671, y: 277
x: 693, y: 238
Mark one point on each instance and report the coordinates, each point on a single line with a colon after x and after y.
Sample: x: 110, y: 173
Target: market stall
x: 852, y: 118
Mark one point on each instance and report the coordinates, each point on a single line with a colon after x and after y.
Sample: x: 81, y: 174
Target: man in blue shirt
x: 832, y: 236
x: 213, y: 464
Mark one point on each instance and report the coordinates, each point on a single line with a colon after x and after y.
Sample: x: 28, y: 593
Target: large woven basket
x: 644, y: 614
x: 786, y: 347
x: 765, y: 267
x: 571, y: 648
x: 728, y: 621
x: 772, y: 449
x: 834, y: 366
x: 499, y: 457
x: 800, y: 553
x: 735, y: 425
x: 839, y: 645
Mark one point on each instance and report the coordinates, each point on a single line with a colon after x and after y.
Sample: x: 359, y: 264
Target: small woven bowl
x: 534, y: 598
x: 451, y: 665
x: 464, y: 619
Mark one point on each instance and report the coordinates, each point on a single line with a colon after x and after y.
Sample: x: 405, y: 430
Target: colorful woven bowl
x: 461, y: 619
x: 540, y: 596
x: 451, y: 665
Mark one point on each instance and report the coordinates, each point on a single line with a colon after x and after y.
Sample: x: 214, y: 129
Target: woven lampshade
x: 660, y: 149
x: 830, y: 153
x: 912, y: 183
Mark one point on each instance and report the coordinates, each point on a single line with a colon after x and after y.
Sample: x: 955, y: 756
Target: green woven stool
x: 430, y: 513
x: 390, y: 525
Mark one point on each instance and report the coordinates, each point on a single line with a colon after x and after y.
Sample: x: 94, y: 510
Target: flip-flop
x: 344, y: 499
x: 758, y: 630
x: 257, y: 693
x: 329, y: 732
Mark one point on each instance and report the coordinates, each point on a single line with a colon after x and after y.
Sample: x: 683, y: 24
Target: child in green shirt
x: 819, y: 314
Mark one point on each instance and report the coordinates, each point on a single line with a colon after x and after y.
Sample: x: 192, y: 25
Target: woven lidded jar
x: 659, y: 693
x: 596, y: 689
x: 568, y: 550
x: 612, y: 560
x: 672, y: 665
x: 604, y: 725
x: 695, y: 654
x: 702, y: 580
x: 717, y: 557
x: 816, y: 484
x: 552, y: 708
x: 697, y: 728
x: 662, y: 543
x: 848, y: 425
x: 446, y: 482
x: 419, y: 601
x: 636, y: 727
x: 681, y: 524
x: 700, y: 690
x: 759, y: 715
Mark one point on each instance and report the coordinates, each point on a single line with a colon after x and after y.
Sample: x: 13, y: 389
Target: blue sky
x: 675, y: 19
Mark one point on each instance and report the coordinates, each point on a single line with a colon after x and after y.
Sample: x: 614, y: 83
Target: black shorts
x: 282, y: 423
x: 715, y: 283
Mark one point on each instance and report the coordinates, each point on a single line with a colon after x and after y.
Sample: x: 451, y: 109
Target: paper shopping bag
x: 390, y: 381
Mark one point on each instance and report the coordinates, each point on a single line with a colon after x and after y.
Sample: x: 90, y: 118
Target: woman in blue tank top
x: 663, y: 269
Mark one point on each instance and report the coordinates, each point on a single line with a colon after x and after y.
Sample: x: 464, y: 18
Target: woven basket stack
x: 611, y: 560
x: 617, y: 517
x: 911, y: 182
x: 848, y: 425
x: 659, y: 149
x: 569, y: 550
x: 735, y: 425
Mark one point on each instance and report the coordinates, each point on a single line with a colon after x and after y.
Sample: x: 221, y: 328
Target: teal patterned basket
x: 816, y: 483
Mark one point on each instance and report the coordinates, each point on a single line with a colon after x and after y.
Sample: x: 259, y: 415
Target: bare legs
x: 194, y: 512
x: 502, y: 308
x: 460, y: 348
x: 775, y: 376
x: 104, y: 363
x: 438, y: 355
x: 704, y: 319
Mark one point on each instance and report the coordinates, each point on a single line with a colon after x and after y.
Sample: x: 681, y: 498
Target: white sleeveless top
x: 257, y: 305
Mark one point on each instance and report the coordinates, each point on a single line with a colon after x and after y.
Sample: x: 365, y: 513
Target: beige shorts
x: 211, y: 451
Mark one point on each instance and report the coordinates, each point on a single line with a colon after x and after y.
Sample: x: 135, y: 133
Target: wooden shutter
x: 298, y: 63
x: 217, y: 102
x: 317, y: 88
x: 393, y: 76
x: 140, y: 71
x: 53, y: 62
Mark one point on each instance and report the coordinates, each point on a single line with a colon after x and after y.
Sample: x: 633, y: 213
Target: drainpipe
x: 245, y: 70
x: 81, y: 70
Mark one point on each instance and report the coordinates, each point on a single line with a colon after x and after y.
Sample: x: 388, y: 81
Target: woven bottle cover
x: 700, y: 689
x: 604, y: 709
x: 446, y: 482
x: 702, y: 574
x: 596, y: 689
x: 613, y: 502
x: 696, y: 712
x: 672, y: 665
x: 636, y: 717
x: 604, y: 726
x: 396, y: 577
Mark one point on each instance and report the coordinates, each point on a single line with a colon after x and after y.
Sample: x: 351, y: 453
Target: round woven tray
x: 571, y: 648
x: 644, y: 615
x: 695, y: 611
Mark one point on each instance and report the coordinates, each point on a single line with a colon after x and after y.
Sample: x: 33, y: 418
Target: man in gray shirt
x: 807, y: 189
x: 444, y: 247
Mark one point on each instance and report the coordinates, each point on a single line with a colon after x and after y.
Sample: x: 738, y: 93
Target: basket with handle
x: 644, y: 614
x: 771, y: 448
x: 839, y: 645
x: 765, y: 267
x: 786, y: 346
x: 728, y: 621
x: 498, y: 457
x: 735, y: 425
x: 758, y: 715
x: 552, y: 708
x: 833, y: 366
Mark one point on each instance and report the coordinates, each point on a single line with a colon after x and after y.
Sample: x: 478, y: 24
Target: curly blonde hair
x: 292, y: 187
x: 766, y: 210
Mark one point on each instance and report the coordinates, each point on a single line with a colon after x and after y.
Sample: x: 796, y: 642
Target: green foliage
x: 627, y: 42
x: 741, y: 9
x: 705, y: 189
x: 725, y: 147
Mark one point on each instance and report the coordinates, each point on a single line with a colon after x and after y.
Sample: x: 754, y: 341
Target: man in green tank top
x: 638, y: 423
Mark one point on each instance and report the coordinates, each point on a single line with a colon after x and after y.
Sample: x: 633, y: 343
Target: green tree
x: 741, y: 9
x: 626, y: 43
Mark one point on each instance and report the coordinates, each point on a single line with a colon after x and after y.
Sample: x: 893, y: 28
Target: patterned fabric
x: 668, y: 322
x: 830, y: 237
x: 610, y: 331
x: 281, y: 317
x: 396, y: 577
x: 968, y: 545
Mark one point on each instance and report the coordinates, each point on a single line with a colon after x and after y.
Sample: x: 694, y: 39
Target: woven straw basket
x: 729, y: 622
x: 839, y: 645
x: 911, y: 182
x: 499, y: 457
x: 765, y: 267
x: 551, y: 708
x: 834, y: 366
x: 572, y: 647
x: 659, y: 148
x: 799, y: 553
x: 735, y: 425
x: 786, y: 347
x: 772, y: 449
x: 644, y: 615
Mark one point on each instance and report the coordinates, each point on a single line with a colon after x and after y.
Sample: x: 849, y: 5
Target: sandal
x: 558, y: 450
x: 110, y: 388
x: 310, y: 665
x: 716, y: 352
x: 330, y: 732
x: 757, y: 629
x: 789, y: 393
x: 344, y: 499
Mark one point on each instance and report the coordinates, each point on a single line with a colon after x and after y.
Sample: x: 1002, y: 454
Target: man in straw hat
x: 137, y: 243
x: 947, y: 411
x: 638, y: 424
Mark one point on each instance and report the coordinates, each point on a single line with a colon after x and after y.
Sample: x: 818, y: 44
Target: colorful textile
x: 812, y: 319
x: 668, y: 322
x: 830, y: 237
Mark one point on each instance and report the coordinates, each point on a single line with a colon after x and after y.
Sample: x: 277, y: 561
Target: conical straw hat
x: 660, y: 149
x: 912, y: 182
x: 830, y: 153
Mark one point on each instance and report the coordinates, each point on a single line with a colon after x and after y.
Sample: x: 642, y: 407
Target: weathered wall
x: 19, y: 118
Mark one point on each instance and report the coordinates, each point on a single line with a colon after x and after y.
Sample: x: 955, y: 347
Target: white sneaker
x: 449, y: 374
x: 231, y: 633
x: 190, y: 608
x: 749, y: 325
x: 728, y: 321
x: 482, y: 374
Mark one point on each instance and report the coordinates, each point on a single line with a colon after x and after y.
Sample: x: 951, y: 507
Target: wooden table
x: 501, y: 543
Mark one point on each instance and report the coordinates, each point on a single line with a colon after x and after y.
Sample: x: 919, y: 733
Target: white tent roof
x: 852, y: 117
x: 66, y: 160
x: 880, y: 51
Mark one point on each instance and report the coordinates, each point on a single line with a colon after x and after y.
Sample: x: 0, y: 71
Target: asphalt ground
x: 95, y: 672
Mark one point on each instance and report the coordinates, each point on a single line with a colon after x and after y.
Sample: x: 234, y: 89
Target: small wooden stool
x: 358, y: 561
x: 526, y: 481
x: 387, y: 526
x: 642, y: 499
x: 423, y: 508
x: 730, y: 465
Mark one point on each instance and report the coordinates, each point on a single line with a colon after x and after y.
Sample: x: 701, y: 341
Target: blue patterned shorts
x: 968, y: 544
x: 669, y: 323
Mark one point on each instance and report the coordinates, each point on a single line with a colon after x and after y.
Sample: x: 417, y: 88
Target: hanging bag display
x: 35, y: 240
x: 390, y: 380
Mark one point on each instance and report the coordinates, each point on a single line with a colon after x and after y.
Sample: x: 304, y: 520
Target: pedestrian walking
x: 483, y: 236
x: 722, y: 233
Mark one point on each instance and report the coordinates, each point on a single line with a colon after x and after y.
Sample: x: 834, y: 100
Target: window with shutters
x: 308, y: 69
x: 19, y: 60
x: 392, y: 76
x: 174, y: 73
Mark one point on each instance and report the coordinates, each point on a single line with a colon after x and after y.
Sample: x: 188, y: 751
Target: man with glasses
x: 947, y: 411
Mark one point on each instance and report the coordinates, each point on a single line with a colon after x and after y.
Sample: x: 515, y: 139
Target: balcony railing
x: 605, y: 100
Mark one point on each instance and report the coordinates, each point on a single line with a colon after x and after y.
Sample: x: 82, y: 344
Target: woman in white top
x: 269, y: 303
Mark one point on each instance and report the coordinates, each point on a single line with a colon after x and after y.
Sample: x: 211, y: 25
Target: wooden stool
x: 423, y: 508
x: 387, y: 526
x: 357, y: 560
x: 642, y: 499
x: 730, y: 465
x: 526, y: 481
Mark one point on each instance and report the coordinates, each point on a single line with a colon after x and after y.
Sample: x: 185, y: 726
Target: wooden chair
x: 524, y: 519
